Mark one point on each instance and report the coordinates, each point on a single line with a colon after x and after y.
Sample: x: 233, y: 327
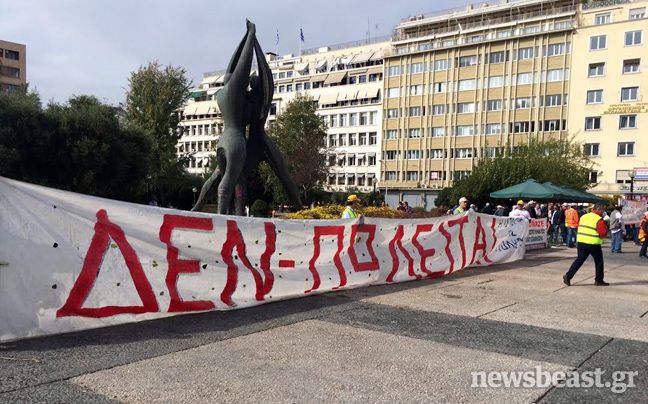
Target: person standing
x: 617, y: 228
x: 353, y: 202
x: 591, y: 231
x: 532, y: 210
x: 571, y: 221
x: 520, y: 211
x: 463, y: 206
x: 643, y: 231
x: 488, y: 209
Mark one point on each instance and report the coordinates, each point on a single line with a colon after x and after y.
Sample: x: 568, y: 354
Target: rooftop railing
x: 402, y: 34
x: 352, y: 44
x: 603, y: 3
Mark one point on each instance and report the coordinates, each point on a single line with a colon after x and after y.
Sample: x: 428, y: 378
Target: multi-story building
x: 201, y: 124
x: 462, y: 83
x: 13, y: 65
x: 609, y: 82
x: 346, y: 81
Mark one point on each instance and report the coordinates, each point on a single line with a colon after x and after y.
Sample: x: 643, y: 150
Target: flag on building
x: 301, y: 34
x: 277, y: 38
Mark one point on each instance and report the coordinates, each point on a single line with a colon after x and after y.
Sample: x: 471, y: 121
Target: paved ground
x: 411, y: 343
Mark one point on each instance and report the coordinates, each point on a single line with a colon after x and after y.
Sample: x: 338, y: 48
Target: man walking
x: 617, y: 228
x: 591, y: 231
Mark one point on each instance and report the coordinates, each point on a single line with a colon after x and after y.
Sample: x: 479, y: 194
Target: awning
x: 335, y: 78
x: 320, y: 64
x: 328, y: 99
x: 360, y: 71
x: 350, y: 175
x: 202, y: 108
x: 190, y: 109
x: 301, y: 67
x: 300, y: 79
x: 375, y: 70
x: 361, y: 175
x: 196, y: 94
x: 362, y: 58
x: 319, y: 78
x: 377, y: 56
x: 371, y: 175
x: 332, y: 63
x: 351, y: 95
x: 220, y: 79
x: 360, y: 155
x: 372, y: 92
x: 346, y: 60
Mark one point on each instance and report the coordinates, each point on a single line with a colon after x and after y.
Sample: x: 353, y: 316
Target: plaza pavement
x: 416, y: 342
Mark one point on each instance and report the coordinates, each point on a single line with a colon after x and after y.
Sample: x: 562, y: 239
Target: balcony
x: 603, y: 3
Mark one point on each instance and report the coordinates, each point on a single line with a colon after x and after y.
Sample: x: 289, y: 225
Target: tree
x: 300, y: 135
x: 562, y: 162
x: 153, y: 98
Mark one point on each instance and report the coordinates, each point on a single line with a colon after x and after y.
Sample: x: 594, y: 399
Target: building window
x: 555, y: 49
x: 373, y: 138
x: 371, y: 160
x: 342, y: 140
x: 416, y: 90
x: 595, y: 96
x: 554, y: 100
x: 466, y: 108
x: 373, y: 118
x: 591, y: 149
x: 524, y: 78
x: 467, y: 61
x: 629, y: 94
x: 628, y: 122
x: 393, y: 92
x: 391, y: 154
x: 435, y: 154
x: 438, y: 131
x: 598, y: 42
x: 633, y: 38
x: 494, y: 105
x: 593, y: 177
x: 596, y: 69
x: 413, y: 155
x: 414, y: 133
x: 554, y: 75
x: 363, y: 139
x: 411, y: 175
x: 438, y: 109
x: 625, y: 149
x: 637, y: 13
x: 600, y: 19
x: 364, y: 118
x: 464, y: 153
x: 353, y: 140
x: 391, y: 176
x: 464, y: 85
x: 523, y: 103
x: 391, y: 134
x: 392, y: 113
x: 631, y: 66
x: 495, y: 81
x: 414, y: 111
x: 282, y: 75
x: 416, y: 68
x: 490, y: 152
x: 525, y: 53
x: 439, y: 87
x: 441, y: 64
x: 550, y: 125
x: 464, y: 130
x: 520, y: 127
x: 493, y: 129
x: 496, y: 57
x: 593, y: 123
x: 10, y: 71
x: 394, y: 71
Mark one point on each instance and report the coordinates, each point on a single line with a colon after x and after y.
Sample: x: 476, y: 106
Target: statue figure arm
x: 240, y: 72
x: 266, y: 82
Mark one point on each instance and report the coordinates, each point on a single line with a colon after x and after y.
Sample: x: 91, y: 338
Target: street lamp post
x: 632, y: 174
x: 375, y: 183
x: 194, y: 190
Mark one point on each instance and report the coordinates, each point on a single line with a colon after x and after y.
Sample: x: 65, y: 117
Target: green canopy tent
x: 527, y: 189
x: 586, y: 196
x: 563, y: 193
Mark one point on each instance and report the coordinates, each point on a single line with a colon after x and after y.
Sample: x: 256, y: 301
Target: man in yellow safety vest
x: 589, y: 238
x: 353, y: 202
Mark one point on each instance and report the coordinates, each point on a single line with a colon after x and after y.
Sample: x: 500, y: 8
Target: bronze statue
x: 238, y: 156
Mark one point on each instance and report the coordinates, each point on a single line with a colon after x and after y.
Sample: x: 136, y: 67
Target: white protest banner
x: 73, y: 262
x: 633, y: 211
x: 537, y: 236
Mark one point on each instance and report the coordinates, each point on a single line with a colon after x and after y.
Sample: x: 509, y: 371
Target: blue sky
x: 90, y: 47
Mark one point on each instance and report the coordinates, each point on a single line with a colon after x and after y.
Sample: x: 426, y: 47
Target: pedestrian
x: 400, y: 206
x: 532, y: 210
x: 520, y: 211
x: 617, y: 228
x: 643, y: 230
x: 500, y: 212
x: 407, y: 208
x: 487, y: 209
x: 463, y: 206
x: 571, y: 222
x: 353, y: 202
x: 591, y: 231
